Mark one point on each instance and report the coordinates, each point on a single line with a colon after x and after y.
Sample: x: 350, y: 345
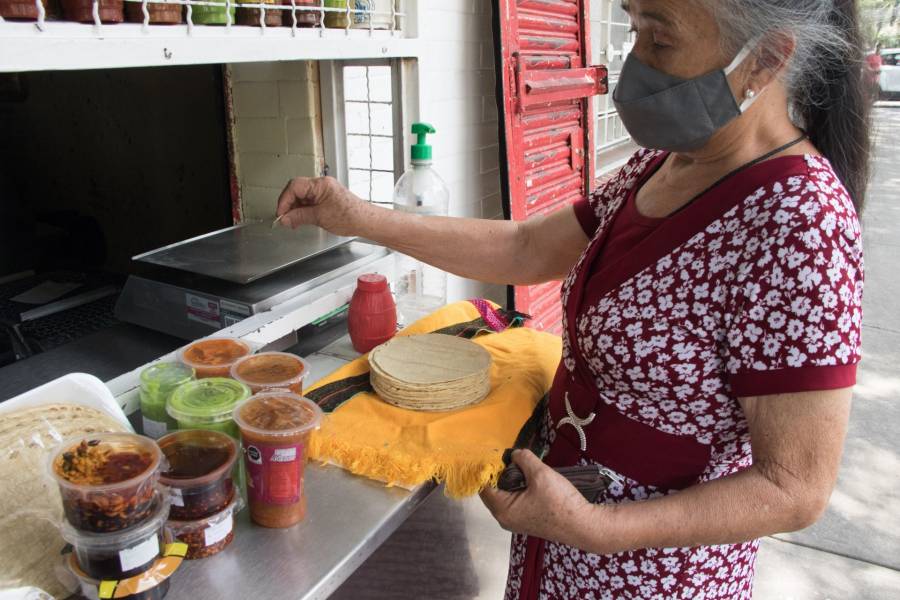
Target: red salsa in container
x: 199, y: 472
x: 107, y: 480
x: 275, y: 429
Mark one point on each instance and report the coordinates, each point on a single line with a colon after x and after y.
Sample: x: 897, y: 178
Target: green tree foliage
x: 881, y: 19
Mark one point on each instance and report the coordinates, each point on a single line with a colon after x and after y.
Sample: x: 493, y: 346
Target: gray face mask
x: 664, y: 112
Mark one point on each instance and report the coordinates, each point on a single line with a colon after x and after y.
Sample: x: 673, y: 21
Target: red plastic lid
x: 372, y: 282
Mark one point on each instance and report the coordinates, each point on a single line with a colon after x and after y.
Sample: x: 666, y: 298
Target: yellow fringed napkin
x: 462, y: 448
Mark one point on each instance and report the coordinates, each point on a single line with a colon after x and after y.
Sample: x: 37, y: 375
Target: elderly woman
x: 712, y: 299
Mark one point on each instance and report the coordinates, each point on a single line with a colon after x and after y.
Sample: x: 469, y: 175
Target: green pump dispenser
x: 421, y: 151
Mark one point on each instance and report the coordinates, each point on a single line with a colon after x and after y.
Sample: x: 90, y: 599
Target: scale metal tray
x: 246, y: 252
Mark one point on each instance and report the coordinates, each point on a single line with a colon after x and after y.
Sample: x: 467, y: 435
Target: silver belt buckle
x: 578, y: 423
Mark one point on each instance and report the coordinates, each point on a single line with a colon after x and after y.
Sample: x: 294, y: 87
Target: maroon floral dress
x: 755, y: 288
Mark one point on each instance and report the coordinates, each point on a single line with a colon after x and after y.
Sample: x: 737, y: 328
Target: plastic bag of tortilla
x: 30, y: 505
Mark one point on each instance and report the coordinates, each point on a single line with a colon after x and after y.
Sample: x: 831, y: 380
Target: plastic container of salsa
x: 107, y: 480
x: 275, y: 429
x: 207, y: 404
x: 213, y: 357
x: 271, y: 370
x: 210, y: 535
x: 121, y: 554
x: 157, y: 384
x: 89, y: 588
x: 199, y: 472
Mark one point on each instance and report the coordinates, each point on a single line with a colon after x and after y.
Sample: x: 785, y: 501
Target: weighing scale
x: 194, y: 287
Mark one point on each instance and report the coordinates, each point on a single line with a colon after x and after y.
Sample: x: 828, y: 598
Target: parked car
x: 889, y: 82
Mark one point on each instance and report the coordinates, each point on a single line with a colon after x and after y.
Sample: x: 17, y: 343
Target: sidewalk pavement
x: 455, y: 550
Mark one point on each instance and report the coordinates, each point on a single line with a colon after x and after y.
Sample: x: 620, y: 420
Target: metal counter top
x: 347, y: 519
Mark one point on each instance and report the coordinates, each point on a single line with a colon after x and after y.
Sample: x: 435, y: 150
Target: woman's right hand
x: 320, y: 201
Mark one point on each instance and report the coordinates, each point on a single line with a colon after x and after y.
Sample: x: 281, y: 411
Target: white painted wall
x: 456, y: 77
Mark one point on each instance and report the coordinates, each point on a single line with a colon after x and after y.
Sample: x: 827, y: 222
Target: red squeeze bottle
x: 373, y: 313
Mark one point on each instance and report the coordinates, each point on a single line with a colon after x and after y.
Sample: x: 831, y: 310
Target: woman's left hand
x: 549, y: 508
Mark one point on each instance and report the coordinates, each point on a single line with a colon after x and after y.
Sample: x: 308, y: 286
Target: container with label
x: 212, y: 15
x: 157, y: 384
x: 275, y: 429
x: 124, y: 553
x: 89, y: 588
x: 251, y: 16
x: 207, y: 404
x: 199, y: 472
x: 82, y: 11
x: 158, y: 13
x: 213, y: 357
x: 374, y: 14
x: 307, y: 13
x: 271, y: 370
x: 338, y: 17
x: 372, y: 317
x: 107, y: 480
x: 210, y: 535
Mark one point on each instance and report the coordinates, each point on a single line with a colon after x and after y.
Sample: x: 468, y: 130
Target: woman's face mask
x: 664, y: 112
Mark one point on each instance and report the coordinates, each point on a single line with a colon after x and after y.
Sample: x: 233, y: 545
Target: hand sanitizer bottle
x: 420, y: 288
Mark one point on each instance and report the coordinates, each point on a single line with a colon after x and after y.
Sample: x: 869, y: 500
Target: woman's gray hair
x: 823, y: 77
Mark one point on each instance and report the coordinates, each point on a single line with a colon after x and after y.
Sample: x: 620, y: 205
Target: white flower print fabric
x: 764, y: 299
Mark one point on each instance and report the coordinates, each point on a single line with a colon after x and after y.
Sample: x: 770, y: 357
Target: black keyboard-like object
x: 69, y: 325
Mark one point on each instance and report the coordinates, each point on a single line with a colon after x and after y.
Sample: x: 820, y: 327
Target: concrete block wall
x: 277, y: 130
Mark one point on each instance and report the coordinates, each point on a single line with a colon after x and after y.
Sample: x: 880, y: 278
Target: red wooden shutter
x: 547, y: 87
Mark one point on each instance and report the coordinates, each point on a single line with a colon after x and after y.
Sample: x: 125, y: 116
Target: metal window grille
x: 370, y: 131
x: 385, y: 17
x: 613, y: 40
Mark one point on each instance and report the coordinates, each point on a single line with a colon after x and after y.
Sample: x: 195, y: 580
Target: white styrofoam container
x: 75, y: 388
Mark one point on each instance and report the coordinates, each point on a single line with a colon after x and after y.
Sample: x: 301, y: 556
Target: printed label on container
x: 217, y: 532
x: 153, y: 429
x: 139, y: 554
x: 274, y: 473
x: 175, y: 497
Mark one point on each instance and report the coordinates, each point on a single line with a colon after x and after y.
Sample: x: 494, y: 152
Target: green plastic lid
x: 166, y: 375
x: 206, y: 401
x: 421, y: 150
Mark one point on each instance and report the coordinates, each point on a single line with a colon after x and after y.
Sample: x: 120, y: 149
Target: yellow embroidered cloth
x: 462, y: 448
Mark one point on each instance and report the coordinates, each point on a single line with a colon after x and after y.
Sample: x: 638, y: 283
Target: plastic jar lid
x: 372, y: 282
x: 120, y: 540
x: 197, y: 439
x: 295, y: 414
x: 238, y: 349
x: 270, y: 369
x: 167, y: 375
x: 125, y: 441
x: 205, y: 401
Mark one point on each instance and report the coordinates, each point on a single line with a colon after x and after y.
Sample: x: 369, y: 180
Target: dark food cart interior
x: 98, y: 166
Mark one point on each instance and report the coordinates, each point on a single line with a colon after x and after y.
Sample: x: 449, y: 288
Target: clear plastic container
x: 157, y: 384
x: 199, y: 473
x: 208, y: 536
x: 213, y: 357
x: 270, y: 371
x: 88, y: 587
x: 275, y: 429
x: 107, y: 480
x: 121, y: 554
x: 207, y: 404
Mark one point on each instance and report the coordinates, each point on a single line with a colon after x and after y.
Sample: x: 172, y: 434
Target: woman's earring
x: 750, y: 94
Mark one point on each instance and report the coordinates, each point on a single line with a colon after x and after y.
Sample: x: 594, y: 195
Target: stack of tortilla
x: 30, y: 506
x: 430, y: 372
